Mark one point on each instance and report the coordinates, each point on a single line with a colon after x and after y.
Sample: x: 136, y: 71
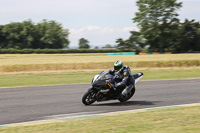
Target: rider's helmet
x: 118, y: 65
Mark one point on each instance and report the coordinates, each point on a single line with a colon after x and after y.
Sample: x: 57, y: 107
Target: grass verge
x: 37, y: 79
x: 174, y: 120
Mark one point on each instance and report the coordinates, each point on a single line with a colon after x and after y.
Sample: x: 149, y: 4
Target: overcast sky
x: 99, y: 21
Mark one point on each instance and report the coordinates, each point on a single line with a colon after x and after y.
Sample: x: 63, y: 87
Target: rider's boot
x: 127, y: 90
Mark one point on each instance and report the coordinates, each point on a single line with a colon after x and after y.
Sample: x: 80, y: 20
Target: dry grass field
x: 55, y: 62
x: 23, y: 59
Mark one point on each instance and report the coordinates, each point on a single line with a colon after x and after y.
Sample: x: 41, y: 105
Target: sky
x: 101, y: 22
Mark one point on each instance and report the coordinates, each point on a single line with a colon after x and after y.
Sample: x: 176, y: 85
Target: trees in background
x: 83, y: 43
x: 135, y: 41
x: 46, y: 34
x: 125, y: 44
x: 158, y: 21
x: 188, y: 39
x: 161, y: 30
x: 17, y: 35
x: 107, y: 46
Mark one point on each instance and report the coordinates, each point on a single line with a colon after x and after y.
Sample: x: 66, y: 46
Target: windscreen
x: 104, y: 75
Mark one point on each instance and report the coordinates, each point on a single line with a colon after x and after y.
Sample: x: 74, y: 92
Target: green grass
x: 36, y: 79
x: 171, y: 120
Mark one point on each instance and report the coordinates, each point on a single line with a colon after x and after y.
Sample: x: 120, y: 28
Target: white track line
x: 84, y: 114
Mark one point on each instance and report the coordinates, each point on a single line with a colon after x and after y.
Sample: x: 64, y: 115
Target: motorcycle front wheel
x: 89, y: 97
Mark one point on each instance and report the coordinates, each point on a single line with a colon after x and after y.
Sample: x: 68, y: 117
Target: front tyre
x: 89, y: 97
x: 129, y: 95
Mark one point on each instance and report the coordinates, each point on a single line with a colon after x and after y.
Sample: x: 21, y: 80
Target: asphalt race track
x: 23, y: 104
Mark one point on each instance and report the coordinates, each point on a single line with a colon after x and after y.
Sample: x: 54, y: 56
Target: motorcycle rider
x: 123, y: 78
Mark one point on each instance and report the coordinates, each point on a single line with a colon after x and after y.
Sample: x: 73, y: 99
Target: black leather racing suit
x: 124, y: 79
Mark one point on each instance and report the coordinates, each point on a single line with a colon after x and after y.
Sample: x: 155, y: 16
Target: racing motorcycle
x: 102, y: 88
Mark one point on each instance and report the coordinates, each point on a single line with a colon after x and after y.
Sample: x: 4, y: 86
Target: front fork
x: 97, y: 92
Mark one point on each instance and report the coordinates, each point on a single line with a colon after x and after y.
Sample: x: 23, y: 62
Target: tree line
x: 161, y: 30
x: 26, y: 34
x: 43, y: 35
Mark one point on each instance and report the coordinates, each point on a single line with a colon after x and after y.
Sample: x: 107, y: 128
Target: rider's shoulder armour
x: 126, y: 68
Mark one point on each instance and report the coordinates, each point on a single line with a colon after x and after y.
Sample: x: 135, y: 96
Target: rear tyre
x: 129, y: 95
x: 89, y: 97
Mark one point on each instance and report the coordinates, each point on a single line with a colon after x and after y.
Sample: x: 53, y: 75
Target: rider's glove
x: 112, y: 71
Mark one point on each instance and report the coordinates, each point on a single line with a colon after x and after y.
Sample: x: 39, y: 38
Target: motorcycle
x: 102, y: 89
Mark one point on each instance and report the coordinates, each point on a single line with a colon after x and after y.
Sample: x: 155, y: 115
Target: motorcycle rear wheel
x: 89, y: 97
x: 130, y: 94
